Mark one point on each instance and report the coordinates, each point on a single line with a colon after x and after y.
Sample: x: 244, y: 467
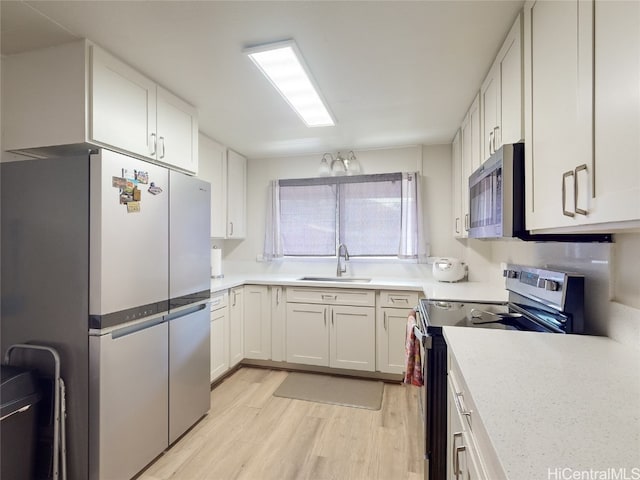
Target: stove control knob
x: 547, y: 284
x: 551, y: 285
x: 510, y: 273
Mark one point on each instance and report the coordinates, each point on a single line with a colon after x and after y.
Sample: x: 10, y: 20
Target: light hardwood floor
x: 250, y: 434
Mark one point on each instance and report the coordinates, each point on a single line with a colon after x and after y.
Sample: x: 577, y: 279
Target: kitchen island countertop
x: 553, y: 405
x: 432, y: 289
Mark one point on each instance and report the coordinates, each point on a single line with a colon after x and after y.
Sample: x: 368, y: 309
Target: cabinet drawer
x: 219, y: 300
x: 331, y: 296
x: 398, y: 299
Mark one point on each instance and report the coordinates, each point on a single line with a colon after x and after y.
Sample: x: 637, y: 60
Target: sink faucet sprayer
x: 342, y: 269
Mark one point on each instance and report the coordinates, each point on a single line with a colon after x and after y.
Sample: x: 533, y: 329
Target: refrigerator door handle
x: 137, y: 327
x: 188, y: 310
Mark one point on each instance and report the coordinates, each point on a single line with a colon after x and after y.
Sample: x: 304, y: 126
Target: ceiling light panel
x: 283, y: 65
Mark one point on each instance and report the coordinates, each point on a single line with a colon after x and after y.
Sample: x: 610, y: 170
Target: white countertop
x: 468, y: 291
x: 553, y: 401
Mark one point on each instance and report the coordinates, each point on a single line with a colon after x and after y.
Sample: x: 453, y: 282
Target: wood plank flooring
x: 250, y: 434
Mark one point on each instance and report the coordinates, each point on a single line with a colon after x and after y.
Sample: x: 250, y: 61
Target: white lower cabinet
x: 219, y: 335
x: 470, y: 454
x: 391, y: 328
x: 278, y: 327
x: 328, y: 334
x: 257, y: 322
x: 307, y: 334
x: 236, y: 326
x: 352, y: 337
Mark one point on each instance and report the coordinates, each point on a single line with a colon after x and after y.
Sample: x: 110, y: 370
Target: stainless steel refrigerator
x: 106, y: 258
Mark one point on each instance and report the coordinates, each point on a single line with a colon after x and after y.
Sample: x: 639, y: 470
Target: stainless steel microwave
x: 496, y: 193
x: 497, y: 205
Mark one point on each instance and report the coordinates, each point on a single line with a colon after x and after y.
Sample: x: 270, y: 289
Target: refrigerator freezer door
x: 129, y: 399
x: 189, y: 361
x: 189, y: 241
x: 129, y: 236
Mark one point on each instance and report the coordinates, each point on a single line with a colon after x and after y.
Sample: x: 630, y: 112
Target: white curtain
x: 413, y: 243
x: 272, y: 237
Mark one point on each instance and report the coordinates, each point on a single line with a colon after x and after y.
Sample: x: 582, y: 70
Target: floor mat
x: 348, y: 392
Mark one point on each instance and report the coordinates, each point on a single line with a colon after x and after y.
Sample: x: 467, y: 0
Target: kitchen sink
x: 336, y: 279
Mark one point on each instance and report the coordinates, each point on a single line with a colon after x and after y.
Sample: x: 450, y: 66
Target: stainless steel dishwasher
x: 129, y: 366
x: 189, y: 364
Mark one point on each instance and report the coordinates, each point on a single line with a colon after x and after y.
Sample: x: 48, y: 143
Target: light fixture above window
x: 339, y: 165
x: 282, y: 64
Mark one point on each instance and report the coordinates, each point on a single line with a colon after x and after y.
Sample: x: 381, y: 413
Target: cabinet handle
x: 579, y: 168
x: 566, y: 175
x: 456, y: 466
x: 331, y: 317
x: 153, y: 145
x: 454, y: 460
x: 161, y: 141
x: 490, y: 142
x: 458, y: 398
x: 384, y: 320
x: 278, y: 296
x: 234, y: 298
x: 231, y: 229
x: 466, y: 222
x: 329, y: 297
x: 457, y: 224
x: 325, y: 316
x: 496, y: 130
x: 399, y: 299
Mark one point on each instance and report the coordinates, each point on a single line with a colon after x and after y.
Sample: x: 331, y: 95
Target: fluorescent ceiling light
x: 282, y: 64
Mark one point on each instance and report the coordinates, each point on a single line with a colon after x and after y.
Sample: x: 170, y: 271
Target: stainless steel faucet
x: 342, y: 269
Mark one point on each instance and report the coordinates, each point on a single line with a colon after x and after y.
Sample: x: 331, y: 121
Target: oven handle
x: 424, y: 338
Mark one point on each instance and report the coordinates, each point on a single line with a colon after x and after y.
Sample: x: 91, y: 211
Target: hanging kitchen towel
x: 413, y: 362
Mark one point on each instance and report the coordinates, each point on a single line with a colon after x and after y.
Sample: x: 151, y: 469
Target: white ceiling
x: 393, y: 72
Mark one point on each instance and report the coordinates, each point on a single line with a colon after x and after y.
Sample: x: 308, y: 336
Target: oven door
x: 425, y: 343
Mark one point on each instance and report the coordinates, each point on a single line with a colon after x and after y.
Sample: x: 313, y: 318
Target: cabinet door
x: 455, y: 440
x: 511, y: 125
x: 257, y: 322
x: 278, y: 318
x: 490, y: 100
x: 616, y: 169
x: 177, y: 132
x: 123, y: 106
x: 236, y: 326
x: 471, y: 148
x: 236, y: 195
x: 212, y: 167
x: 391, y: 330
x: 308, y: 334
x: 353, y: 338
x: 219, y: 342
x: 456, y: 185
x: 558, y: 92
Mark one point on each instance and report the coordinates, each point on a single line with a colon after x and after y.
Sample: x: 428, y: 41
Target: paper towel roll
x: 216, y: 262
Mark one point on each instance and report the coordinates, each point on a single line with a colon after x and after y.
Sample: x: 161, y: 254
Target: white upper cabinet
x: 490, y: 99
x: 74, y: 96
x: 212, y: 167
x: 226, y: 170
x: 615, y: 194
x: 582, y: 115
x: 470, y: 159
x: 236, y: 195
x: 177, y: 132
x: 501, y: 95
x: 456, y: 185
x: 122, y: 105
